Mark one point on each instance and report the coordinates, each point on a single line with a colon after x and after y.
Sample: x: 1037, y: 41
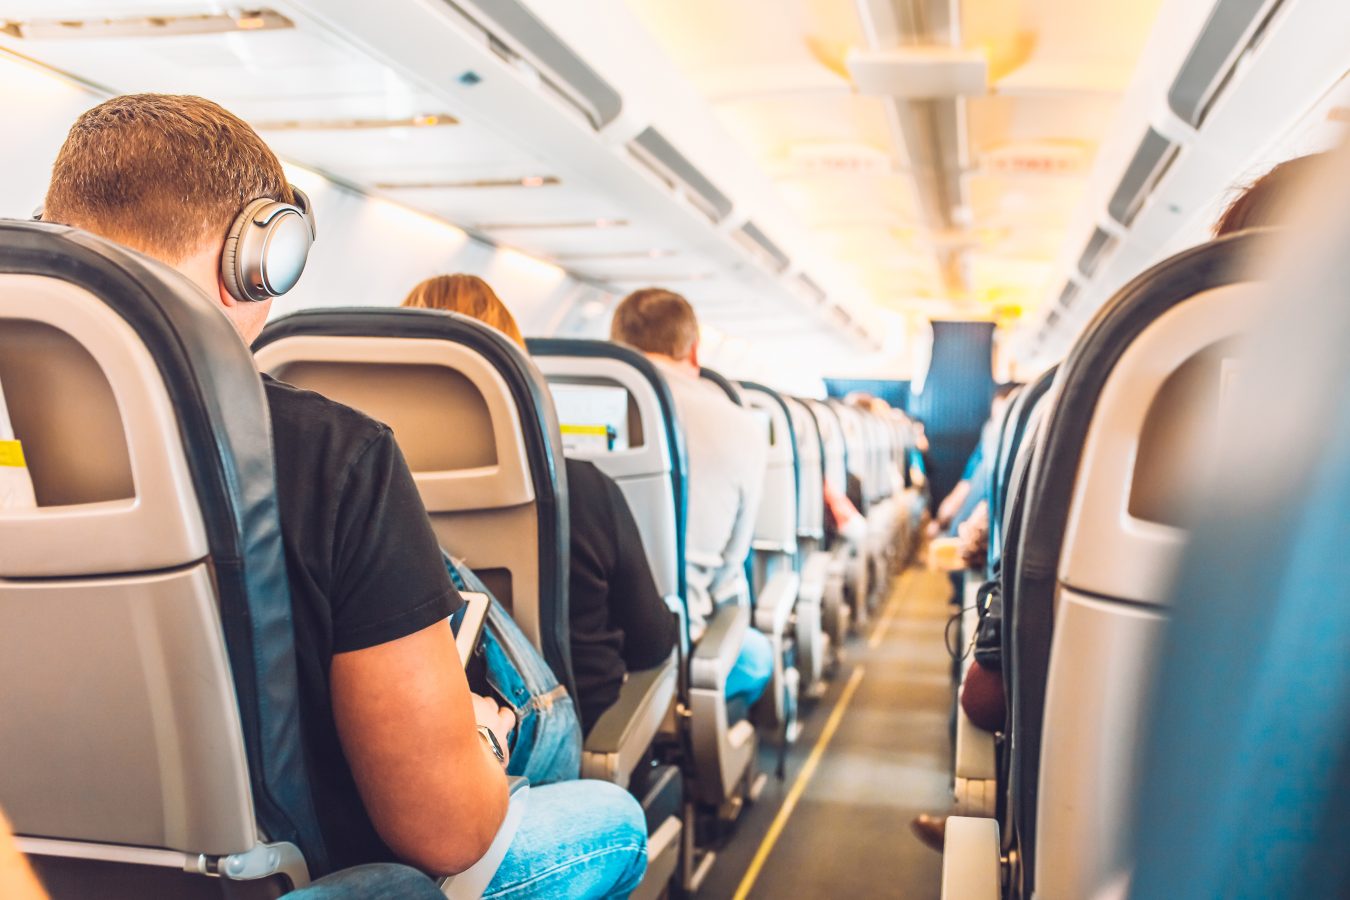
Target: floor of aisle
x: 875, y: 752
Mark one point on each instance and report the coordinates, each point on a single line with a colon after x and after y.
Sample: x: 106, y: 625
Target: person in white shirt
x: 728, y: 451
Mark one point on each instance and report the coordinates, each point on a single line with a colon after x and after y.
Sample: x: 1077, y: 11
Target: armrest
x: 619, y: 739
x: 975, y: 757
x: 716, y: 653
x: 815, y: 573
x: 971, y: 863
x: 473, y: 881
x: 773, y: 606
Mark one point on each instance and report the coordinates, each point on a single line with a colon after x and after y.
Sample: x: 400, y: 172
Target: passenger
x: 400, y: 753
x: 728, y: 453
x: 1268, y: 201
x: 619, y: 622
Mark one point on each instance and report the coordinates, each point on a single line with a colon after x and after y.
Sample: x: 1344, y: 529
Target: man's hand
x: 497, y: 719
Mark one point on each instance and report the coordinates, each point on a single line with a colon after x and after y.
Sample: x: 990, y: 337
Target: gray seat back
x: 776, y: 520
x: 834, y: 445
x: 143, y: 601
x: 811, y: 490
x: 649, y: 468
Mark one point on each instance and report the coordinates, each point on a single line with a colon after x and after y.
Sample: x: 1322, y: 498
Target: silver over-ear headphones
x: 266, y: 248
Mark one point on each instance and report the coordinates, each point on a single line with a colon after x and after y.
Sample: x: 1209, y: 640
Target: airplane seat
x: 728, y: 387
x: 598, y: 385
x: 1097, y: 550
x: 847, y: 574
x: 775, y: 558
x: 1245, y: 745
x: 811, y: 638
x: 981, y: 782
x: 148, y: 693
x: 866, y: 584
x: 473, y: 418
x: 911, y: 502
x: 1025, y: 407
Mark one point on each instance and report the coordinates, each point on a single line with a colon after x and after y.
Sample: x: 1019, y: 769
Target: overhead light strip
x: 529, y: 181
x: 426, y: 120
x: 659, y: 279
x: 606, y: 256
x: 144, y: 26
x: 552, y: 226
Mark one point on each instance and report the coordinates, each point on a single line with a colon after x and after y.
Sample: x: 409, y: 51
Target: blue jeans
x: 578, y: 839
x: 378, y: 881
x: 546, y: 744
x: 753, y: 669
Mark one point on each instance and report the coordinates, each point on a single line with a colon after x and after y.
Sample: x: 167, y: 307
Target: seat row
x: 147, y: 680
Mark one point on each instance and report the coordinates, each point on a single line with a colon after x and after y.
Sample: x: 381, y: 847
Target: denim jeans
x: 546, y: 744
x: 378, y: 881
x: 753, y: 668
x: 584, y: 840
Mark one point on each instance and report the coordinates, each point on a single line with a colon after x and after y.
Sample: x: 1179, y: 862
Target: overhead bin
x: 659, y: 155
x: 520, y: 35
x: 1148, y: 166
x: 1234, y: 29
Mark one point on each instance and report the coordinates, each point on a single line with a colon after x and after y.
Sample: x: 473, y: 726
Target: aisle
x: 881, y: 755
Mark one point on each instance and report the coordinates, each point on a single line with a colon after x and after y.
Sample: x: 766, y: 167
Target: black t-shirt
x: 618, y: 619
x: 364, y: 568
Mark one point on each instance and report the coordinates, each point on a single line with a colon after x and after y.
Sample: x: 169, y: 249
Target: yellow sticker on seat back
x: 11, y: 454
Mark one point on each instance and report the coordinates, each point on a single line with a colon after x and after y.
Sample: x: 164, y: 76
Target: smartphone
x: 468, y: 622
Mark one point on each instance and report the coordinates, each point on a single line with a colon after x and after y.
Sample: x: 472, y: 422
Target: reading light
x: 532, y: 181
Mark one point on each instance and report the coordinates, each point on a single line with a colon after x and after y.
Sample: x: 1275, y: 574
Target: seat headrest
x: 669, y: 424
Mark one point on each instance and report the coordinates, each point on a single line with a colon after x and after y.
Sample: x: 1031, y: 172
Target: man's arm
x: 430, y: 784
x: 402, y: 706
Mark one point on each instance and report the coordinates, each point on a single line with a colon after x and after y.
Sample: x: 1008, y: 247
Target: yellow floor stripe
x: 799, y: 786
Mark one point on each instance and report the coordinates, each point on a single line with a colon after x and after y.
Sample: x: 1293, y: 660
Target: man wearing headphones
x: 406, y: 763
